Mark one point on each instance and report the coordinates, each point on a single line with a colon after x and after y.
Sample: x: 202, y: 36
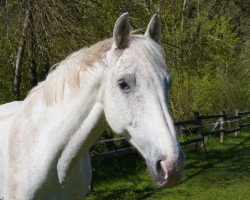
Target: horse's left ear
x: 154, y: 28
x: 121, y: 31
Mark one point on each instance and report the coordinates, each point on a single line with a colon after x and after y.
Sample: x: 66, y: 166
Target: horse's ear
x: 121, y: 31
x: 154, y: 28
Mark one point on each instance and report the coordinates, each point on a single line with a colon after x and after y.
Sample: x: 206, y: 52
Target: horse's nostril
x: 160, y: 172
x: 158, y: 166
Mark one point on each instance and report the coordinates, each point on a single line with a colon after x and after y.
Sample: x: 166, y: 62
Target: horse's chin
x: 167, y: 182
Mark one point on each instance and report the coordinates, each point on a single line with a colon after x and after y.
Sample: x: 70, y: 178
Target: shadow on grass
x: 125, y: 193
x: 122, y: 193
x: 111, y: 170
x: 126, y: 175
x: 226, y: 161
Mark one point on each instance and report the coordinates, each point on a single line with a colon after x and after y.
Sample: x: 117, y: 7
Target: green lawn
x: 224, y: 174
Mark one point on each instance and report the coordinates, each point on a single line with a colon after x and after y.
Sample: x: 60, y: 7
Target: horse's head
x: 135, y: 99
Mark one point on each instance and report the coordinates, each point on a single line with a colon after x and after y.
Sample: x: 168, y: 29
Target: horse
x: 121, y: 82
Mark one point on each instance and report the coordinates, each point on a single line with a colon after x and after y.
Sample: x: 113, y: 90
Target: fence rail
x: 244, y: 113
x: 196, y: 126
x: 187, y: 122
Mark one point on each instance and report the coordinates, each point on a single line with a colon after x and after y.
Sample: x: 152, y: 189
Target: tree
x: 206, y: 44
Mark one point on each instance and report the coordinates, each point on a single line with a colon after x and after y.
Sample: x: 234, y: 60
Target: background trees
x: 206, y: 43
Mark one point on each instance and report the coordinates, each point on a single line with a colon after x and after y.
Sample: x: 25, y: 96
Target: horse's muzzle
x: 168, y: 171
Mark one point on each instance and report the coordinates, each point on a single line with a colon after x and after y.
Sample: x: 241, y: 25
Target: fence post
x: 221, y: 120
x: 237, y: 123
x: 200, y: 130
x: 91, y: 185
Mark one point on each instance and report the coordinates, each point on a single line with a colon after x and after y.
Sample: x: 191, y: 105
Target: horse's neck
x: 88, y: 104
x: 88, y: 132
x: 81, y: 141
x: 70, y: 124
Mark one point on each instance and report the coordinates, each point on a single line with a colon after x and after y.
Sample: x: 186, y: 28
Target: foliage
x: 206, y: 43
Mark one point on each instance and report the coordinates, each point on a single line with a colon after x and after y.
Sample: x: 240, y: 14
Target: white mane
x: 66, y: 74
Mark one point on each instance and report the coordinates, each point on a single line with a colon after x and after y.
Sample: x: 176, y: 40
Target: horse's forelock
x: 146, y: 47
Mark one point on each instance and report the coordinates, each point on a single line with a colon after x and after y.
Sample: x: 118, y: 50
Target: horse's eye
x: 123, y: 85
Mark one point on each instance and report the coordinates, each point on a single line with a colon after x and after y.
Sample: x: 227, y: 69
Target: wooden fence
x: 196, y: 127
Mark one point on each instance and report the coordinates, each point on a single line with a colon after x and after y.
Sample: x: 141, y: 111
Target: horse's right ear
x: 121, y: 31
x: 154, y: 28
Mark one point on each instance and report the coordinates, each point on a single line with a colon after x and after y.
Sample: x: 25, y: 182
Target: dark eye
x: 123, y: 85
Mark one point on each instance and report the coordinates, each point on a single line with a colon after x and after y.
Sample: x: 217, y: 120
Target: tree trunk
x: 33, y: 64
x: 19, y: 58
x: 46, y: 51
x: 183, y: 10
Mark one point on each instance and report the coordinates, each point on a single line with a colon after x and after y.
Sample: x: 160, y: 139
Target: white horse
x: 121, y: 82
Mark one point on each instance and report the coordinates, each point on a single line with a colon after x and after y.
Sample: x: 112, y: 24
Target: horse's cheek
x: 114, y: 113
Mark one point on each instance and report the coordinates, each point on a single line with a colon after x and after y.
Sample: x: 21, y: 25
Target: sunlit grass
x: 223, y: 174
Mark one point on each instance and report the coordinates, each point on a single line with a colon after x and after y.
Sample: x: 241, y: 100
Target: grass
x: 223, y: 174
